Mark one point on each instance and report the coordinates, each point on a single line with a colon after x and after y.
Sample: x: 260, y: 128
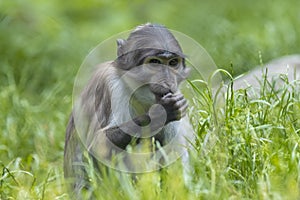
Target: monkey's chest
x: 138, y: 108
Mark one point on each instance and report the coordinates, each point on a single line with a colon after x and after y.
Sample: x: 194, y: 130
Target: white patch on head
x: 142, y: 26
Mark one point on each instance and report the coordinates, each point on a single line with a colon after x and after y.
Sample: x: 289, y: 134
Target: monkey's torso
x: 109, y: 103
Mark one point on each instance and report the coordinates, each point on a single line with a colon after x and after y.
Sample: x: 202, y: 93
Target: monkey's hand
x: 175, y: 106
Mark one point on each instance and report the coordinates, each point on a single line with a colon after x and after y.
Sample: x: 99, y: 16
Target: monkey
x: 132, y: 102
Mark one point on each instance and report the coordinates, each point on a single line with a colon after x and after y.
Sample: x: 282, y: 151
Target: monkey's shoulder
x: 104, y: 67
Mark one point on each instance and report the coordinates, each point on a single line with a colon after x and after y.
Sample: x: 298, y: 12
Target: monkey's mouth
x: 159, y: 91
x: 161, y: 95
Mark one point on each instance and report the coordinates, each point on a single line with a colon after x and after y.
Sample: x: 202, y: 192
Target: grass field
x: 246, y: 149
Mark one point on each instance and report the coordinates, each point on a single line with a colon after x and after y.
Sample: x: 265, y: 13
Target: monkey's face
x: 152, y: 59
x: 170, y: 71
x: 157, y: 75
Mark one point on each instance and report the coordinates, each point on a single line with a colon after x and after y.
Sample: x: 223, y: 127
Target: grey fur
x: 99, y: 124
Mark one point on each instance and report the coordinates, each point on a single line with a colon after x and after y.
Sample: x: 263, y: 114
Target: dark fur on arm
x: 120, y: 138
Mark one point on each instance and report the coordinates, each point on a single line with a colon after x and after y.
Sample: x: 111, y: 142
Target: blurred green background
x: 43, y: 43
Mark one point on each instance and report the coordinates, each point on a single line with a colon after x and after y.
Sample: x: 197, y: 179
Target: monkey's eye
x: 174, y: 62
x: 154, y: 61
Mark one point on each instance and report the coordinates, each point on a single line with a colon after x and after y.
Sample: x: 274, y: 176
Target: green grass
x: 246, y: 149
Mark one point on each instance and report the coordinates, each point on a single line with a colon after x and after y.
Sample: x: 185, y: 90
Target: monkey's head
x: 151, y: 54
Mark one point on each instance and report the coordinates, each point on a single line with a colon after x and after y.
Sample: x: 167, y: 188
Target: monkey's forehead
x: 169, y: 54
x: 152, y: 36
x: 147, y: 52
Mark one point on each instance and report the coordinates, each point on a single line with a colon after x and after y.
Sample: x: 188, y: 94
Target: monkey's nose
x: 160, y: 90
x: 163, y: 93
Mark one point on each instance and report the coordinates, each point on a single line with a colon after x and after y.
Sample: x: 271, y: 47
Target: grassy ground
x: 248, y: 149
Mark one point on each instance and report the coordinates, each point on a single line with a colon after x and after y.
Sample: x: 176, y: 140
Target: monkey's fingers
x: 183, y: 109
x: 172, y: 99
x: 161, y: 99
x: 180, y: 103
x: 177, y: 95
x: 168, y: 95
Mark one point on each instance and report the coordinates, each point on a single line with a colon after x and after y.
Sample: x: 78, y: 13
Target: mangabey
x: 129, y: 101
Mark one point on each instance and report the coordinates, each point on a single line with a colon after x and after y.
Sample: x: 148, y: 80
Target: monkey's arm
x: 173, y: 107
x: 119, y: 135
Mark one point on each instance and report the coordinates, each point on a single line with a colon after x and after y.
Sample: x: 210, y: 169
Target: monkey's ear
x: 120, y: 44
